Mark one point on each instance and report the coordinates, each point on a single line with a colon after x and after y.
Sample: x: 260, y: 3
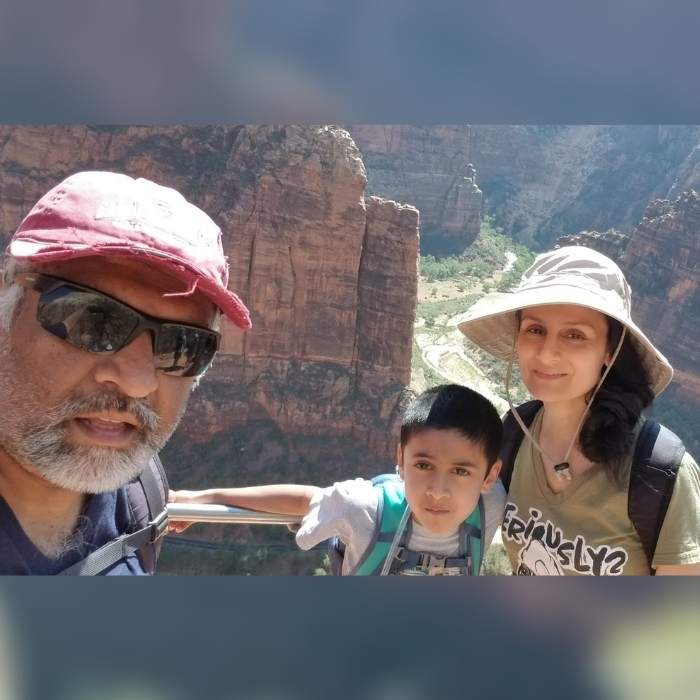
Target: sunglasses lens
x: 90, y: 321
x: 184, y: 351
x: 95, y: 322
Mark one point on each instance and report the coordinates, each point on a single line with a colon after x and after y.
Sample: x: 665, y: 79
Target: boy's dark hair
x: 454, y: 407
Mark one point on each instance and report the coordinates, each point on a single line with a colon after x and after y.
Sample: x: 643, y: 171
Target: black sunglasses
x: 96, y: 322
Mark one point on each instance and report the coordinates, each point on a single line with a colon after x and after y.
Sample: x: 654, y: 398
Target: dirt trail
x: 446, y: 357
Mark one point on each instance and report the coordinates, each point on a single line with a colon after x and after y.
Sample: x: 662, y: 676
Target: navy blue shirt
x: 105, y: 517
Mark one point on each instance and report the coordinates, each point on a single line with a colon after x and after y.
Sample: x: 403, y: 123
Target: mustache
x: 148, y: 420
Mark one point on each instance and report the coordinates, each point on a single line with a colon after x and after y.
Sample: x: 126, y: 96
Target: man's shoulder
x: 106, y: 517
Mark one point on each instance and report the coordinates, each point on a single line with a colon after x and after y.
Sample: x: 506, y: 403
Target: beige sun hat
x: 569, y: 275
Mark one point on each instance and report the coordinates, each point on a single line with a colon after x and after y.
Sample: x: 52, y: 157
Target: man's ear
x: 491, y: 476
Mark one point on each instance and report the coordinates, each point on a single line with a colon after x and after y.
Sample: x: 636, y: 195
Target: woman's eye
x: 534, y: 330
x: 575, y: 335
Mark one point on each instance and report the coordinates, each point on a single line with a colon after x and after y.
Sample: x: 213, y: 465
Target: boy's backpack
x: 392, y: 507
x: 655, y: 463
x: 147, y: 497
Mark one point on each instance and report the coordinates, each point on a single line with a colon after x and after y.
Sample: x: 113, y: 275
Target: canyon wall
x: 428, y: 167
x: 539, y: 182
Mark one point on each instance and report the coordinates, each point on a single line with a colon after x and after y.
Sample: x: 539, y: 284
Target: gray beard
x: 86, y: 468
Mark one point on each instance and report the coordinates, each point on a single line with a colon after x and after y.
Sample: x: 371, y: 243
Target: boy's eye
x: 422, y: 465
x: 461, y: 471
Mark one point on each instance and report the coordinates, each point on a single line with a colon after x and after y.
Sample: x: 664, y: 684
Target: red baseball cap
x: 109, y: 214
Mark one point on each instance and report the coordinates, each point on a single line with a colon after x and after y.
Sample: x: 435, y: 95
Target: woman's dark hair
x: 608, y: 433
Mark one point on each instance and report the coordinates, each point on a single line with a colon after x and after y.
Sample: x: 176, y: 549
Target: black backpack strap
x: 153, y: 484
x: 513, y: 437
x: 147, y: 496
x: 657, y: 456
x: 110, y: 553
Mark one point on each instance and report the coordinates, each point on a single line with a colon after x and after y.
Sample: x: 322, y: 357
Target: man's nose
x: 131, y: 369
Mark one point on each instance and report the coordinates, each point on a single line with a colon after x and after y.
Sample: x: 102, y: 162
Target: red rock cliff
x: 429, y: 167
x: 662, y: 262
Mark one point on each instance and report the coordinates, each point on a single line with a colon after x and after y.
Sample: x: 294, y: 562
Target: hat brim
x: 228, y: 302
x: 491, y: 324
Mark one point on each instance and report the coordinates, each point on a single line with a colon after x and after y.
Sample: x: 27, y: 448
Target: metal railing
x: 209, y: 513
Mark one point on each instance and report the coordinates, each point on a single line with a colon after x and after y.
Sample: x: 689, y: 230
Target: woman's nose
x: 548, y: 350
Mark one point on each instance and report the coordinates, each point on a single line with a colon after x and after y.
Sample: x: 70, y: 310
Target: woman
x: 569, y: 327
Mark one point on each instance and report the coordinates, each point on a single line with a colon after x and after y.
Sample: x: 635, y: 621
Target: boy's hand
x: 178, y: 526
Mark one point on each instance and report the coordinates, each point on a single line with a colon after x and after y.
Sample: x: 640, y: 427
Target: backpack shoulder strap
x: 513, y: 437
x: 392, y: 504
x: 472, y: 530
x: 151, y: 487
x: 147, y: 497
x: 336, y: 547
x: 657, y: 456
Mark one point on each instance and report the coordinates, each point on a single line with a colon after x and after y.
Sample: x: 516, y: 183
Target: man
x: 109, y: 310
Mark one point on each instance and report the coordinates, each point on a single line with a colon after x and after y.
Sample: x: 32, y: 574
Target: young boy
x: 428, y: 519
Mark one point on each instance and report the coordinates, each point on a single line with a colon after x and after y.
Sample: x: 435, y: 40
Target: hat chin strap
x: 561, y: 469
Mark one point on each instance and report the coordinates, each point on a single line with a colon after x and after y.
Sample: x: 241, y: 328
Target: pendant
x: 562, y: 470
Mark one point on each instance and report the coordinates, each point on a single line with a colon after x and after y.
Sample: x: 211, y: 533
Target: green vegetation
x: 480, y: 260
x: 512, y: 277
x: 431, y: 310
x: 434, y: 268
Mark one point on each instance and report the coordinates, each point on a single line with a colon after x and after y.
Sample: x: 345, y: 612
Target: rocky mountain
x: 428, y: 167
x: 539, y: 182
x: 314, y: 392
x: 661, y: 260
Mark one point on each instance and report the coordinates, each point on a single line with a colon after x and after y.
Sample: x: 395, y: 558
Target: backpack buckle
x: 158, y: 525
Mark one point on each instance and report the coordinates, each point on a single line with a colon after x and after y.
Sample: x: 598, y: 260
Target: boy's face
x: 444, y: 473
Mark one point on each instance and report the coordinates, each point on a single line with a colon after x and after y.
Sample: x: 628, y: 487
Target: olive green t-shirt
x: 585, y: 530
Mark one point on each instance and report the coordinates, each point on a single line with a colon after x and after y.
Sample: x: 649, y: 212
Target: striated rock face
x: 545, y: 181
x: 315, y: 391
x: 539, y: 182
x: 661, y: 260
x: 428, y: 167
